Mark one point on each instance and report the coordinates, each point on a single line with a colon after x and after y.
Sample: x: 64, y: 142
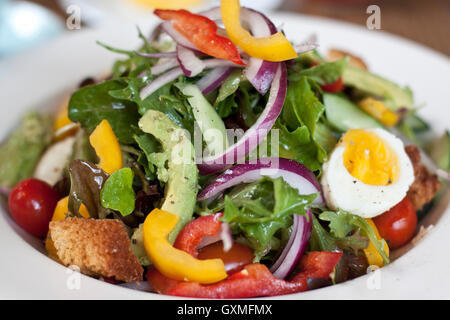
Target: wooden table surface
x: 423, y: 21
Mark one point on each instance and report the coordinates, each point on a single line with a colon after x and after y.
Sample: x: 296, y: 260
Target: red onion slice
x: 160, y: 81
x: 189, y: 62
x: 255, y: 134
x: 296, y: 246
x: 213, y: 79
x: 294, y: 174
x: 172, y: 74
x: 259, y: 72
x: 163, y: 66
x: 224, y: 234
x: 172, y: 54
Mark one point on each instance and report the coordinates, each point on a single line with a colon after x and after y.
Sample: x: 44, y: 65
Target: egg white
x: 346, y: 192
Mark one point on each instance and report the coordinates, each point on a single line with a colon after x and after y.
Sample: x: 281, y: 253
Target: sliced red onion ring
x: 171, y: 54
x: 224, y: 235
x: 176, y: 36
x: 305, y: 47
x: 175, y: 73
x: 256, y: 133
x: 259, y: 72
x: 163, y: 66
x: 213, y: 79
x: 155, y: 33
x: 296, y: 246
x: 189, y: 62
x: 295, y: 174
x: 298, y: 177
x: 160, y: 81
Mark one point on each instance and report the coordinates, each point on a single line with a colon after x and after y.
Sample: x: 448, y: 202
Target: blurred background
x: 24, y: 24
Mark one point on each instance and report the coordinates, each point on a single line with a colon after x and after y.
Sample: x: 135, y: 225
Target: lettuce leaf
x: 117, y: 192
x: 261, y: 213
x: 91, y: 104
x: 343, y: 225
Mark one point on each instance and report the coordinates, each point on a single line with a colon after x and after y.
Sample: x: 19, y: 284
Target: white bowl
x: 36, y: 78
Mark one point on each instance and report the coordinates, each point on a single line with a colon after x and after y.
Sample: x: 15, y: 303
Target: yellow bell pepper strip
x: 61, y: 210
x: 273, y: 48
x: 63, y: 126
x: 379, y: 111
x: 372, y: 255
x: 107, y: 147
x: 174, y: 263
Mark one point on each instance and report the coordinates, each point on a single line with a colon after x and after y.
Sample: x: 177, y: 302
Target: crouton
x: 97, y: 247
x: 334, y: 55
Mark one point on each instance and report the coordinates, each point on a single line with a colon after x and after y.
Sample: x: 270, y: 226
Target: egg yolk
x: 369, y: 158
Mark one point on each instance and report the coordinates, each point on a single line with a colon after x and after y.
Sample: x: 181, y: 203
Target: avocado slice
x: 210, y: 124
x: 394, y: 96
x: 21, y: 152
x: 344, y: 115
x: 440, y: 151
x: 181, y: 188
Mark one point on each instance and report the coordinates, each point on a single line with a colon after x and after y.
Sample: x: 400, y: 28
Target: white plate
x: 35, y: 78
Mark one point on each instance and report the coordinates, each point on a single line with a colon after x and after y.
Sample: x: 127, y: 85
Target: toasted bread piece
x: 97, y: 247
x: 335, y: 54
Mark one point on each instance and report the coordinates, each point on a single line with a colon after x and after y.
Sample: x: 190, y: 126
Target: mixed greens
x: 156, y: 127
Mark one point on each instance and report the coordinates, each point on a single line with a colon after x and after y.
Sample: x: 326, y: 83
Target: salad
x: 220, y: 160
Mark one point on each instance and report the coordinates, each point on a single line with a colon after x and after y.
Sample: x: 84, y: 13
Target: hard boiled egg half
x: 367, y: 173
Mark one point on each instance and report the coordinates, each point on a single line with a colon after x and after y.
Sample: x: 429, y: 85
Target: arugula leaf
x: 342, y: 223
x: 229, y: 86
x: 149, y: 145
x: 322, y: 240
x: 21, y: 152
x: 261, y: 209
x: 169, y: 100
x: 91, y: 104
x: 226, y: 107
x: 326, y: 72
x: 117, y: 192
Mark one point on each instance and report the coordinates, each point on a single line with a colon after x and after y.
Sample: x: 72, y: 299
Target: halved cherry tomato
x: 31, y: 204
x: 397, y: 226
x: 333, y: 87
x: 336, y: 86
x: 201, y: 31
x: 234, y: 259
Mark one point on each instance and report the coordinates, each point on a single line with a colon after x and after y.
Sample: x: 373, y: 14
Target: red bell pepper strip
x: 159, y: 282
x: 255, y: 280
x: 193, y: 233
x: 201, y: 31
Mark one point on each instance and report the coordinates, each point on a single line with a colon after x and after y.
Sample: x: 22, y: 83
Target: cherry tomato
x: 397, y: 226
x: 31, y: 204
x: 234, y: 259
x: 336, y: 86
